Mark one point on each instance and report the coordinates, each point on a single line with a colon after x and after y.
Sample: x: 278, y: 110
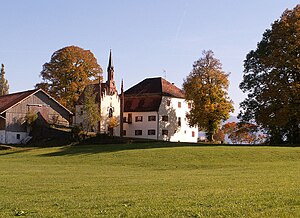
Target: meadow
x: 150, y: 180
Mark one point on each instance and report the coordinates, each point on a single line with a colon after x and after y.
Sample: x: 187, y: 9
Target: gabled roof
x: 142, y: 103
x: 8, y: 101
x: 157, y: 86
x: 146, y: 95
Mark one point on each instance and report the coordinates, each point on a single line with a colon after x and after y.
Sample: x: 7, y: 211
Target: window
x: 179, y: 121
x: 179, y: 104
x: 168, y: 102
x: 151, y: 132
x: 151, y: 118
x: 138, y: 132
x: 165, y: 132
x: 129, y: 118
x: 110, y: 112
x: 139, y: 119
x: 164, y: 118
x: 18, y: 136
x: 124, y: 132
x: 189, y: 105
x: 193, y: 134
x: 124, y: 119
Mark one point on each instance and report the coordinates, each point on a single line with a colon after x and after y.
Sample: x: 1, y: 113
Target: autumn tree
x: 69, y: 71
x: 207, y: 86
x: 242, y: 133
x: 3, y: 82
x: 91, y: 111
x: 272, y: 81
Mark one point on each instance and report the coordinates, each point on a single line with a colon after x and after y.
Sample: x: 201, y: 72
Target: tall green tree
x: 69, y: 71
x: 4, y: 87
x: 91, y: 110
x: 207, y: 86
x: 272, y: 80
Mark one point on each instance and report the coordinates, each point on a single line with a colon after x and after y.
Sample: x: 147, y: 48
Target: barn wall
x: 39, y: 103
x: 2, y: 136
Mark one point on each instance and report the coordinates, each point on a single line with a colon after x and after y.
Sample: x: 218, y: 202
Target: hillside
x: 150, y: 180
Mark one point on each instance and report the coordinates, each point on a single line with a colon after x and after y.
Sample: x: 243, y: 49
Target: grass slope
x: 150, y: 180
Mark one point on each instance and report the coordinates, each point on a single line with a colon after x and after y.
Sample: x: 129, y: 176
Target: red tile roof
x: 147, y: 95
x: 142, y: 103
x: 156, y: 85
x: 7, y: 101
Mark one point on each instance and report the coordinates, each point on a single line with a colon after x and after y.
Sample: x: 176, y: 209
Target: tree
x: 272, y: 81
x: 219, y: 135
x: 207, y: 87
x: 242, y: 133
x: 69, y: 71
x: 112, y: 123
x: 90, y: 109
x: 4, y: 87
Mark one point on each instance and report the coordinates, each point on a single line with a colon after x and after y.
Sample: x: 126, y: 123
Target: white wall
x: 7, y: 137
x: 145, y: 125
x: 113, y: 102
x: 176, y: 133
x: 107, y: 102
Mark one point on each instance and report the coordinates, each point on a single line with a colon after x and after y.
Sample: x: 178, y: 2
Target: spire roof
x: 110, y: 62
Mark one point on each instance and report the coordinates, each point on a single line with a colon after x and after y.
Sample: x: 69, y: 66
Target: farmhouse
x: 156, y: 109
x: 14, y: 108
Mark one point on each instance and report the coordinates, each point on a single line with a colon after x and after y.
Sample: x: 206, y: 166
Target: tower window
x: 179, y: 121
x: 179, y: 104
x: 110, y: 112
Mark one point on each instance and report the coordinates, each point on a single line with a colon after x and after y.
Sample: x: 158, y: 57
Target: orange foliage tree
x: 69, y: 71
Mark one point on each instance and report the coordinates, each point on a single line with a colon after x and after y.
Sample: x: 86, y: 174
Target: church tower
x: 110, y: 76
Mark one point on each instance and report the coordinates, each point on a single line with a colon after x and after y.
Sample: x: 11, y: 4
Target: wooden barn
x: 15, y: 107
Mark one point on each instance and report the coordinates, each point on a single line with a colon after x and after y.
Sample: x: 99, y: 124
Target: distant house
x: 107, y: 98
x: 156, y: 109
x: 14, y: 107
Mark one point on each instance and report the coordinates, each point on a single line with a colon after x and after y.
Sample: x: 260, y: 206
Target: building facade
x: 108, y: 99
x: 156, y: 109
x: 14, y: 108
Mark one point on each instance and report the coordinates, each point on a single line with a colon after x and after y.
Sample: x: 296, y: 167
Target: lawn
x: 150, y: 180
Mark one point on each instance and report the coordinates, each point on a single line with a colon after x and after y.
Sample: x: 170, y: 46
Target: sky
x: 148, y: 38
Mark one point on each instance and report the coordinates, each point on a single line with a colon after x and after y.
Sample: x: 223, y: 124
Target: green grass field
x: 150, y: 180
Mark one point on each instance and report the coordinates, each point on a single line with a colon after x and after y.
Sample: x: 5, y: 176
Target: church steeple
x: 110, y: 76
x: 110, y: 67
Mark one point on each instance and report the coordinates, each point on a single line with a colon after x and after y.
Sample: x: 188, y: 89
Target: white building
x: 156, y: 109
x: 108, y: 99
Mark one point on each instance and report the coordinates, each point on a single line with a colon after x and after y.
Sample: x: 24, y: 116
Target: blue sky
x: 148, y: 38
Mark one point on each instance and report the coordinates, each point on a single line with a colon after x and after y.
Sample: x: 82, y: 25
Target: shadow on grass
x: 15, y: 151
x: 107, y: 148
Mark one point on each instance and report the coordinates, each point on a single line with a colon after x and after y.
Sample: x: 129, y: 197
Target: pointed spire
x: 122, y: 87
x: 110, y: 62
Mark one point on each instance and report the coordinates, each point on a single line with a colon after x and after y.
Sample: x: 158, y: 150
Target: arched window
x: 110, y: 112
